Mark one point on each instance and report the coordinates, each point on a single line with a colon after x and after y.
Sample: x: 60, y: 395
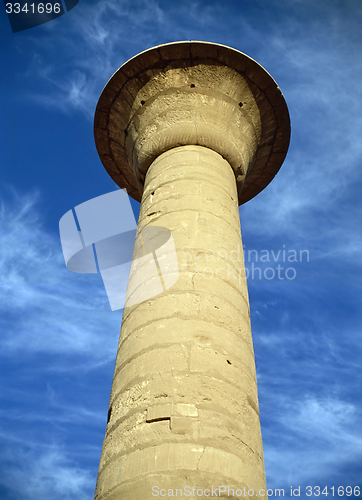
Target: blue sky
x: 58, y: 335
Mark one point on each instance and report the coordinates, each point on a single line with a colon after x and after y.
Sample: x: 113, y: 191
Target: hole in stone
x: 162, y: 395
x: 241, y: 104
x: 125, y: 133
x: 152, y: 193
x: 143, y: 102
x: 109, y: 414
x: 158, y: 419
x: 192, y: 85
x: 228, y: 362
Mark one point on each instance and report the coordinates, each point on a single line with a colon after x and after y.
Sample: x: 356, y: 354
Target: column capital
x: 192, y: 93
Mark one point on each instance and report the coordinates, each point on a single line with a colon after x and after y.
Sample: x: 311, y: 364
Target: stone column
x: 192, y: 130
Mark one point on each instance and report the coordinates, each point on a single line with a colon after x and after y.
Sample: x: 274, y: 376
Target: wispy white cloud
x: 43, y: 472
x: 52, y: 322
x: 44, y: 307
x: 92, y: 42
x: 57, y: 412
x: 316, y: 438
x: 315, y: 59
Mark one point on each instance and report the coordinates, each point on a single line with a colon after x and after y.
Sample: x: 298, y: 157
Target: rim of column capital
x: 121, y: 100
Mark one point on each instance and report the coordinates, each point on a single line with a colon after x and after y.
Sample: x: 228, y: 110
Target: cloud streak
x: 43, y: 473
x: 44, y: 307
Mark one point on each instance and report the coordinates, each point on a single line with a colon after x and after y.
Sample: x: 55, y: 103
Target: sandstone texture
x: 192, y: 130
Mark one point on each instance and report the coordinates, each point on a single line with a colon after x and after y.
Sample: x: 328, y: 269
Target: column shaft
x: 184, y: 404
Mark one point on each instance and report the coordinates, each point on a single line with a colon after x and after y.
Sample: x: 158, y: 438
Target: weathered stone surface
x: 192, y: 93
x: 184, y: 393
x: 194, y: 129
